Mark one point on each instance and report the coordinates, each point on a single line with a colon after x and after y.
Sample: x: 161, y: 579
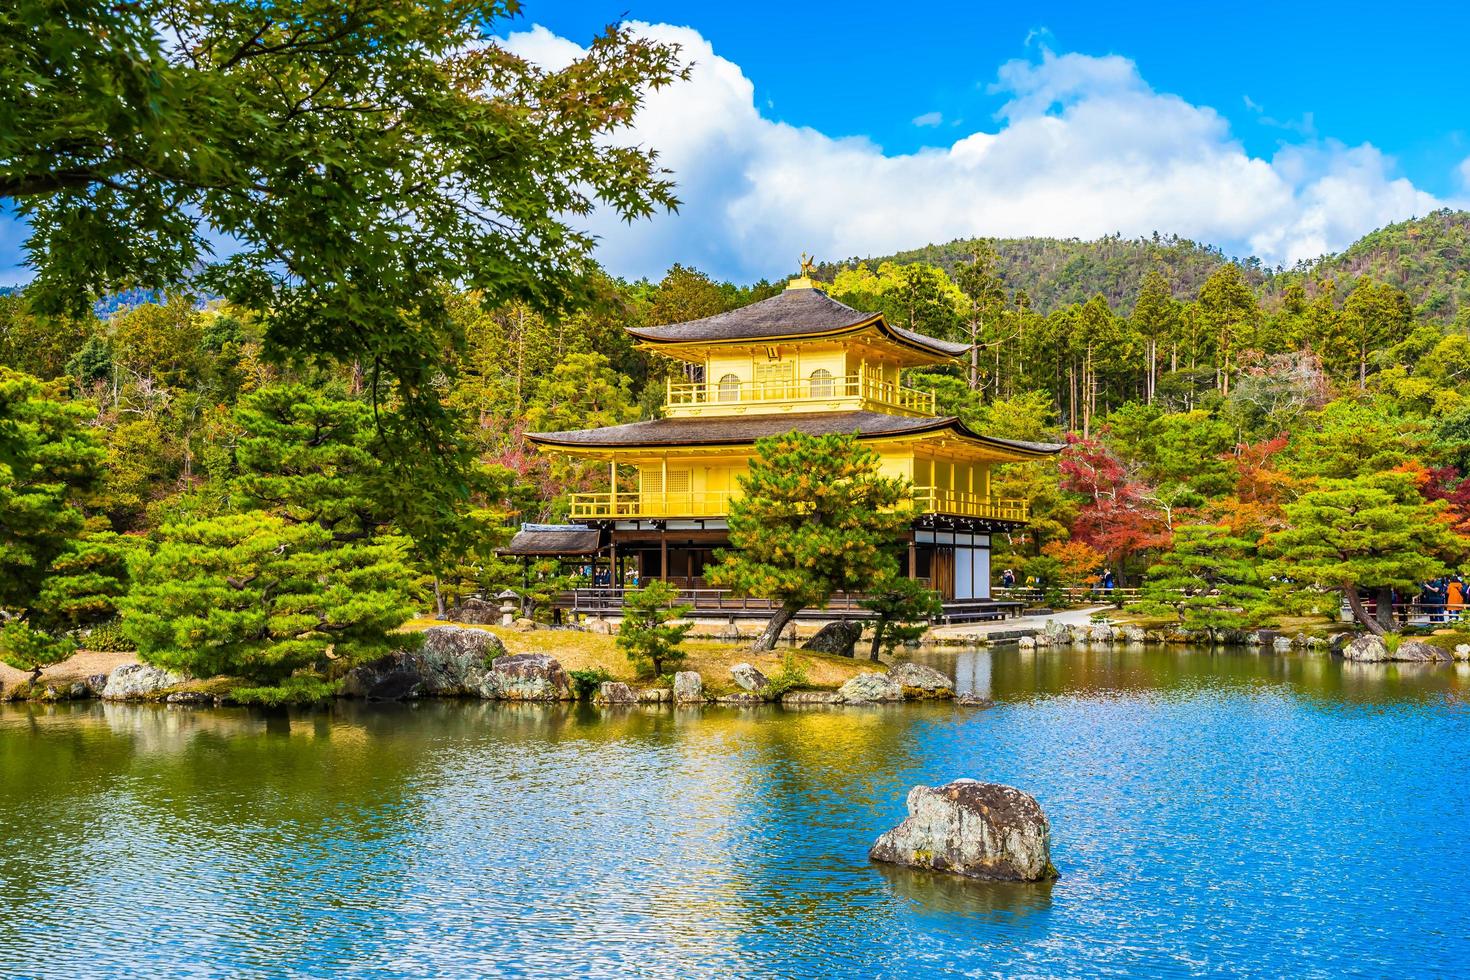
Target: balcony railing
x: 929, y: 500
x: 935, y: 500
x: 736, y: 395
x: 618, y: 505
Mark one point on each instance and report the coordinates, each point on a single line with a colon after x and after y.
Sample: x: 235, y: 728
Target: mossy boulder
x: 970, y: 828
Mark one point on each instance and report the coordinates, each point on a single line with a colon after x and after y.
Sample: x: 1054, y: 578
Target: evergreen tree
x: 814, y: 516
x: 1155, y: 317
x: 1208, y: 579
x: 650, y: 633
x: 1374, y: 532
x: 902, y: 609
x: 257, y: 597
x: 1228, y: 310
x: 51, y: 581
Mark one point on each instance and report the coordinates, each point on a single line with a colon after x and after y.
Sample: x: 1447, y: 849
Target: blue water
x: 1212, y: 815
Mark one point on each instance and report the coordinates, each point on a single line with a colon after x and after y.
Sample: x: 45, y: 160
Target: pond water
x: 1213, y: 814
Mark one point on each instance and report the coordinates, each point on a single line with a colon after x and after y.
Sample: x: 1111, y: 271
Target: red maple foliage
x: 1117, y: 517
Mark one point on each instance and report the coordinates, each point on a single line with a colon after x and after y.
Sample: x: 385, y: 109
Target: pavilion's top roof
x: 796, y: 313
x: 741, y: 431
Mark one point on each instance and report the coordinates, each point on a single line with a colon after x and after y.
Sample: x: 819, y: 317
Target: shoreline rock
x: 970, y: 828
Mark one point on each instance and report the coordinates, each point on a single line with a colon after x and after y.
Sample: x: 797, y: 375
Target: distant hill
x: 1428, y: 257
x: 1057, y: 272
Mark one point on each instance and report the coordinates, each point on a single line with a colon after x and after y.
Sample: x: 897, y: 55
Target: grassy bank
x: 713, y: 659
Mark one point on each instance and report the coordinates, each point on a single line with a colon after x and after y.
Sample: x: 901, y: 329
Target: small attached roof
x: 795, y: 314
x: 551, y: 540
x: 725, y: 431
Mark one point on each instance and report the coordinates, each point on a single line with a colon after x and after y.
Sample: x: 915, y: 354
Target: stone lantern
x: 510, y: 605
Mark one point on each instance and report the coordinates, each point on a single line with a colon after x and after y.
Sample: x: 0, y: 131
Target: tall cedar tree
x: 356, y: 157
x: 650, y: 633
x: 1374, y: 533
x: 1208, y: 579
x: 814, y: 517
x: 53, y: 578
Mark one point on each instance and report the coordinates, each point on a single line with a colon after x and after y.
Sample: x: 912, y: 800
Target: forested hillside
x: 1425, y: 257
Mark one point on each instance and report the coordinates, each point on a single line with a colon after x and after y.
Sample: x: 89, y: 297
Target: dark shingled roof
x: 554, y: 541
x: 792, y: 313
x: 745, y: 430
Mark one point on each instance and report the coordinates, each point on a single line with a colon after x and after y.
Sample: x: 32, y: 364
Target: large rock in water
x: 688, y: 687
x: 870, y: 688
x: 1366, y: 649
x: 1372, y: 649
x: 455, y: 662
x: 980, y: 830
x: 137, y: 682
x: 530, y: 677
x: 1417, y: 651
x: 918, y: 681
x: 451, y: 662
x: 838, y: 639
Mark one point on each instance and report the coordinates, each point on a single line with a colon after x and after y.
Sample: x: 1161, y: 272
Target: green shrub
x: 586, y: 682
x: 791, y: 675
x: 109, y: 638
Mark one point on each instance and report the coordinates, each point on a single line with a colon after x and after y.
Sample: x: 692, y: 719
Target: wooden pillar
x: 913, y: 558
x: 612, y: 488
x: 612, y: 564
x: 663, y: 554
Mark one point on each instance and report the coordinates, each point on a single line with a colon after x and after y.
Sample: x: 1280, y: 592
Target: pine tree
x: 254, y: 596
x: 1155, y: 317
x: 1208, y: 579
x: 814, y: 517
x: 650, y: 633
x: 1373, y: 532
x: 902, y: 608
x: 49, y: 584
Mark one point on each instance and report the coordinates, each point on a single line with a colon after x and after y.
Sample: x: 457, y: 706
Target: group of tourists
x: 1442, y: 599
x: 1439, y: 600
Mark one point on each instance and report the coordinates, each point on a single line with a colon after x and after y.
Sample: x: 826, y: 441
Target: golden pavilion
x: 797, y: 361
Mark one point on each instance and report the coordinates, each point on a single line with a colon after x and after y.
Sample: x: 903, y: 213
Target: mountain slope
x: 1428, y: 258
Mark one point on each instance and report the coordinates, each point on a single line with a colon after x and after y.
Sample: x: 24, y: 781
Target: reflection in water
x: 1212, y: 813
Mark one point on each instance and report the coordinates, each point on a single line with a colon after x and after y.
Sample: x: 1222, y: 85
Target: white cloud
x: 929, y: 119
x: 1082, y: 147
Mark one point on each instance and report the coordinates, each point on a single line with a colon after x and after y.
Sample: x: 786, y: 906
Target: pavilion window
x: 822, y: 385
x: 730, y: 388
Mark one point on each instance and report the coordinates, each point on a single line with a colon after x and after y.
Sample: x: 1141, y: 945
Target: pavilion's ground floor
x: 949, y: 554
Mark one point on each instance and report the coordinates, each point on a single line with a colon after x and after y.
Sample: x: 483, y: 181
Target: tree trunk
x: 438, y: 598
x: 772, y: 633
x: 1385, y: 608
x: 877, y: 638
x: 1360, y: 612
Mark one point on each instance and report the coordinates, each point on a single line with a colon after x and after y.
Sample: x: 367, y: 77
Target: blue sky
x: 854, y: 129
x: 1392, y: 74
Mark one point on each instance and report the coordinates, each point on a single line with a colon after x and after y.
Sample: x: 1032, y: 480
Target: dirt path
x: 78, y: 668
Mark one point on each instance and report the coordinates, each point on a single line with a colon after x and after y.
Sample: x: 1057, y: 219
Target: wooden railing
x: 863, y: 385
x: 716, y: 503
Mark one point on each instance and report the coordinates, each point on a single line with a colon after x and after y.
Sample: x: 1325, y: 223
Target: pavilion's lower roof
x: 745, y: 430
x: 552, y: 540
